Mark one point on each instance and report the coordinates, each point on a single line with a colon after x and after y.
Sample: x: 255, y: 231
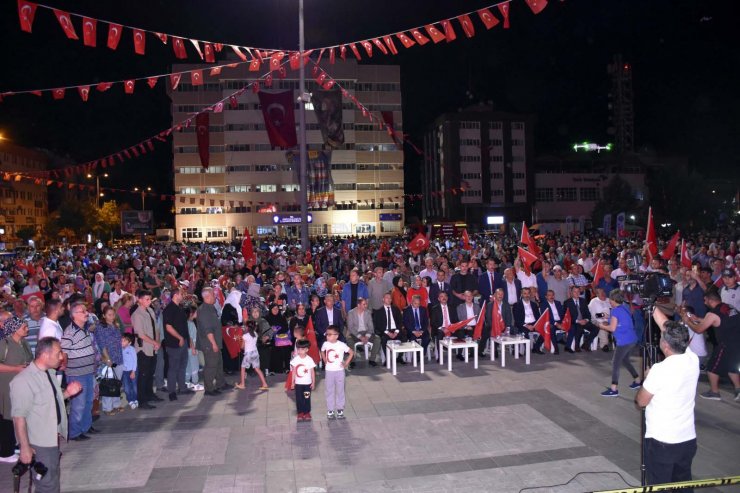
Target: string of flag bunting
x: 206, y: 50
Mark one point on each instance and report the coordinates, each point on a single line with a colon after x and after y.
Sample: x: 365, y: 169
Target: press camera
x: 648, y: 286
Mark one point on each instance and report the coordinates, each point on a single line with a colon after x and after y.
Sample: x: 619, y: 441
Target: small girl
x: 302, y: 368
x: 251, y: 356
x: 129, y: 370
x: 192, y: 378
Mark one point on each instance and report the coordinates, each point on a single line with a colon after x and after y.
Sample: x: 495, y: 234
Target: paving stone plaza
x: 492, y: 429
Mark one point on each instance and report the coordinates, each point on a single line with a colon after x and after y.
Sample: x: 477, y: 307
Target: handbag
x: 109, y: 387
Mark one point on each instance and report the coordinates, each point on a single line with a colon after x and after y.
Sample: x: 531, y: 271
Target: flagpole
x: 303, y: 170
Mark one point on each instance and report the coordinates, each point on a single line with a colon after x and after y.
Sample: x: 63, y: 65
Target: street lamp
x: 143, y: 192
x: 97, y: 188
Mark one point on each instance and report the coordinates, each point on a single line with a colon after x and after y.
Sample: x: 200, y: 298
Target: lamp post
x: 143, y: 192
x: 303, y: 170
x: 97, y: 188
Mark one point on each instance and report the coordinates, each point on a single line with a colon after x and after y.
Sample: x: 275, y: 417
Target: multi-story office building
x: 485, y: 153
x: 23, y: 202
x: 250, y: 184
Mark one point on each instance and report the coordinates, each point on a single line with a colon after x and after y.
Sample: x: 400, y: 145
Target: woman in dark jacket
x: 282, y: 340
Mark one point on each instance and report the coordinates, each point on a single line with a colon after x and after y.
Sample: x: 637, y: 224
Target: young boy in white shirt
x: 332, y: 354
x: 302, y: 368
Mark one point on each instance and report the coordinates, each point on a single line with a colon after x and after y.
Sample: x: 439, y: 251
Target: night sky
x: 552, y: 65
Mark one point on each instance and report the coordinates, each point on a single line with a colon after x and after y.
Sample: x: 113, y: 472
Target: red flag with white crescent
x: 114, y: 35
x: 232, y: 336
x: 202, y: 127
x: 419, y: 244
x: 650, y: 236
x: 567, y: 321
x: 248, y: 249
x: 89, y: 31
x: 313, y: 350
x: 139, y: 41
x: 66, y: 22
x: 466, y: 240
x: 477, y: 332
x: 528, y: 258
x: 528, y: 240
x: 685, y: 258
x: 670, y: 249
x: 598, y: 273
x: 467, y: 25
x: 26, y: 13
x: 542, y: 326
x: 487, y: 18
x: 434, y: 33
x: 536, y: 5
x: 452, y: 328
x: 504, y: 9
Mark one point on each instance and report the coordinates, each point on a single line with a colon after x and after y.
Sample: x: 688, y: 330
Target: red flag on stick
x: 497, y: 324
x: 452, y: 328
x: 685, y: 258
x: 26, y: 13
x: 478, y: 331
x: 66, y: 23
x: 419, y: 244
x: 248, y: 250
x: 202, y: 121
x: 650, y: 236
x: 567, y: 321
x: 598, y: 273
x: 542, y: 326
x: 313, y: 350
x: 466, y: 240
x: 670, y: 249
x: 528, y: 258
x: 232, y: 336
x: 527, y: 240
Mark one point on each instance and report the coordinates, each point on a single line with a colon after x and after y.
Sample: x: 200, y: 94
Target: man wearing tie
x: 489, y: 281
x: 439, y: 286
x: 325, y: 316
x: 467, y: 309
x: 441, y: 315
x: 360, y: 328
x: 504, y: 309
x: 581, y: 325
x: 557, y: 312
x: 512, y: 287
x: 389, y: 324
x: 416, y: 322
x: 526, y: 312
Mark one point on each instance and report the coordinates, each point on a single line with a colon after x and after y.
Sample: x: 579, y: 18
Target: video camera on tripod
x: 649, y: 285
x: 38, y: 471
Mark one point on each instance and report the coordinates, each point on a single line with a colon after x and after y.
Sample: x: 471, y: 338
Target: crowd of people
x: 153, y: 317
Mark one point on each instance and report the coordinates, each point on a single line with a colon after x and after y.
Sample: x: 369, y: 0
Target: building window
x: 495, y: 125
x: 470, y: 142
x: 215, y: 190
x: 344, y: 186
x: 238, y: 188
x: 366, y: 186
x: 472, y: 193
x: 519, y: 193
x: 343, y: 166
x: 216, y: 169
x: 498, y: 176
x: 517, y: 125
x: 189, y: 170
x: 496, y: 142
x: 470, y: 125
x: 188, y: 190
x: 265, y: 188
x: 566, y: 194
x: 241, y: 209
x: 544, y: 195
x: 389, y: 186
x: 266, y: 230
x: 519, y: 175
x: 191, y: 233
x: 390, y: 226
x: 471, y: 176
x: 216, y: 233
x: 497, y: 193
x: 497, y: 159
x: 470, y: 159
x: 189, y: 210
x: 214, y: 210
x: 517, y: 142
x: 589, y: 194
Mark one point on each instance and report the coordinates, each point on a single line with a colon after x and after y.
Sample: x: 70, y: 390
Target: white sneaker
x: 10, y: 460
x: 197, y: 387
x: 189, y: 385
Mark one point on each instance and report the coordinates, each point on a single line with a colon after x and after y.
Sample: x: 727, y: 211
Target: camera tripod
x: 650, y: 353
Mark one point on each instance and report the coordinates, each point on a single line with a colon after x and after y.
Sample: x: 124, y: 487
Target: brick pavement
x: 490, y: 429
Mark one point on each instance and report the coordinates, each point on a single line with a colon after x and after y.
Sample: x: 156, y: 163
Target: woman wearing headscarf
x: 108, y: 339
x: 99, y: 286
x: 15, y: 355
x: 282, y: 340
x: 264, y: 338
x: 398, y: 294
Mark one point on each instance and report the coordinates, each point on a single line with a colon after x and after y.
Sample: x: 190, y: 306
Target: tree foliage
x: 616, y: 197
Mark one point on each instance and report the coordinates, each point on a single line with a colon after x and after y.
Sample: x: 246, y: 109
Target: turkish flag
x: 250, y: 258
x: 26, y: 13
x: 598, y: 273
x: 275, y: 60
x: 178, y: 46
x: 355, y: 51
x: 58, y: 93
x: 567, y: 321
x: 377, y: 42
x: 670, y: 249
x: 650, y: 236
x: 332, y: 56
x: 279, y: 115
x: 528, y: 258
x: 452, y: 328
x: 197, y: 48
x: 208, y: 53
x: 478, y: 331
x: 467, y: 25
x: 405, y: 40
x: 487, y: 18
x: 419, y: 37
x: 466, y: 240
x: 152, y: 81
x: 536, y: 5
x: 202, y: 121
x: 310, y: 333
x: 175, y: 80
x: 232, y: 336
x: 196, y: 77
x: 103, y: 86
x: 162, y: 37
x: 434, y: 33
x: 368, y: 48
x: 419, y: 244
x: 128, y: 86
x: 542, y: 326
x: 449, y: 30
x: 239, y: 53
x: 527, y: 240
x: 254, y: 65
x: 66, y: 22
x: 389, y: 43
x: 504, y: 9
x: 84, y: 92
x: 89, y: 31
x: 685, y: 259
x: 497, y: 324
x: 139, y: 41
x: 114, y: 35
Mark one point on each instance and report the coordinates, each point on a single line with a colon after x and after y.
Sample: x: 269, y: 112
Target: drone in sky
x: 591, y: 147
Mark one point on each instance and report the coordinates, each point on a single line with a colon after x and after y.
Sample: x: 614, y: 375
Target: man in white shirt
x: 600, y: 310
x: 117, y: 293
x: 668, y: 394
x: 50, y: 326
x: 429, y: 269
x: 730, y: 292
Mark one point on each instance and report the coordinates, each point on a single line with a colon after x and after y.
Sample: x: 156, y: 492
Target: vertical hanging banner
x: 202, y: 121
x: 277, y: 110
x: 621, y: 231
x: 389, y: 123
x: 607, y: 224
x: 328, y: 108
x: 320, y: 182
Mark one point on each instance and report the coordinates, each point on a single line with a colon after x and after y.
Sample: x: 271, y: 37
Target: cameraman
x: 39, y: 416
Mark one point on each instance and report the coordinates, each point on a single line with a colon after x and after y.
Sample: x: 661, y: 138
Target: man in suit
x: 512, y: 287
x: 416, y: 322
x: 557, y: 312
x: 439, y: 286
x: 580, y: 323
x: 360, y: 328
x: 489, y: 281
x: 441, y: 315
x: 505, y: 310
x: 466, y: 310
x: 325, y: 316
x: 526, y: 312
x: 388, y: 322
